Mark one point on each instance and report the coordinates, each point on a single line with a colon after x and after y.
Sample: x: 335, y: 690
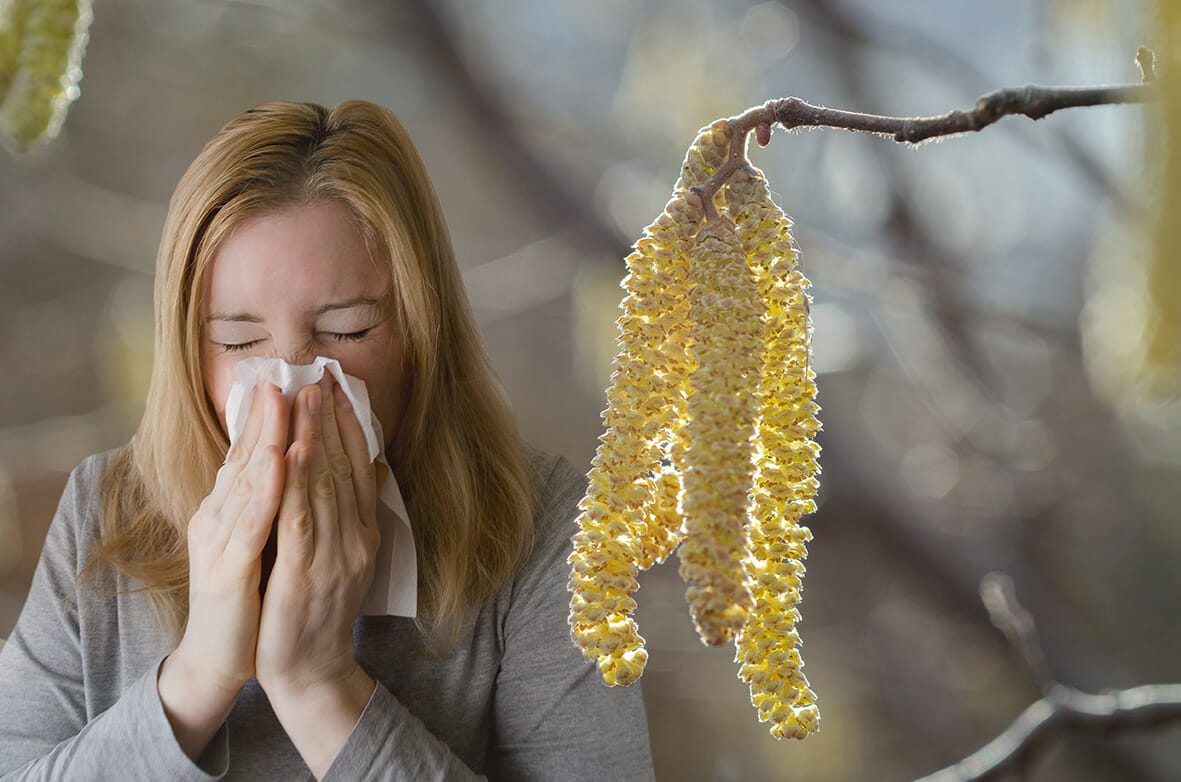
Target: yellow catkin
x: 709, y: 441
x: 629, y: 517
x: 1160, y: 345
x: 41, y: 50
x: 663, y: 514
x: 786, y: 467
x: 727, y: 345
x: 606, y: 554
x: 666, y: 368
x: 11, y: 25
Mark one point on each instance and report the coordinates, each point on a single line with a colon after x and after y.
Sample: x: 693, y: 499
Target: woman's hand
x: 200, y: 681
x: 327, y: 543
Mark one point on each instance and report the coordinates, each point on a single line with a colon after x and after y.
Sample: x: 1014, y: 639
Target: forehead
x: 300, y: 256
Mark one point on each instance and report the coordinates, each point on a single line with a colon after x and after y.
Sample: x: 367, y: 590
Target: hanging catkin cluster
x: 710, y: 421
x: 41, y: 47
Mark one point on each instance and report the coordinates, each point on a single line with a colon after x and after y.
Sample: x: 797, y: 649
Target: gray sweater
x: 512, y: 699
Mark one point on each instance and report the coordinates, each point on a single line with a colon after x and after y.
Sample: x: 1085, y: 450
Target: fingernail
x: 342, y: 399
x: 314, y: 400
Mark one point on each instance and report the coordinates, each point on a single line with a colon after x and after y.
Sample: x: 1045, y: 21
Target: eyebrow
x: 246, y: 317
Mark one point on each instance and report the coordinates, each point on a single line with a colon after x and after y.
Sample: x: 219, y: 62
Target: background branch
x: 999, y: 596
x: 1062, y: 708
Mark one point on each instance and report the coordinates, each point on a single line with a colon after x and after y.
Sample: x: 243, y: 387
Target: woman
x: 152, y: 645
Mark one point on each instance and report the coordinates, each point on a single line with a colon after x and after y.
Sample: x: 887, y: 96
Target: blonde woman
x: 196, y: 614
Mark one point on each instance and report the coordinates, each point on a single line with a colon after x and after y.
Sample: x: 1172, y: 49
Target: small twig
x: 1031, y: 101
x: 1000, y: 598
x: 1147, y: 62
x: 1061, y: 708
x: 857, y: 30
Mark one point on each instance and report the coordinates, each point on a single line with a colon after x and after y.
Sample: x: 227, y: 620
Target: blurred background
x: 983, y: 312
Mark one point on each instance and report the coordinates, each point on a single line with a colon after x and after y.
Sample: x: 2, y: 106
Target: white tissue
x: 395, y: 579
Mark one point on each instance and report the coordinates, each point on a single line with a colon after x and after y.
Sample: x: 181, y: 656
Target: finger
x: 340, y: 461
x: 254, y: 497
x: 321, y: 485
x: 365, y: 474
x: 301, y: 427
x: 295, y: 531
x: 236, y: 481
x: 240, y: 451
x: 242, y: 447
x: 253, y: 524
x: 274, y: 430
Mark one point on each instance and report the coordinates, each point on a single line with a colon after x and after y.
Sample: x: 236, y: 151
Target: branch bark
x: 1061, y: 709
x: 1065, y: 709
x: 858, y: 30
x: 1031, y: 101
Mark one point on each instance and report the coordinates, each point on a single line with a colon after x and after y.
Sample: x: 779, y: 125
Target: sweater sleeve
x: 388, y: 742
x: 46, y: 731
x: 553, y: 716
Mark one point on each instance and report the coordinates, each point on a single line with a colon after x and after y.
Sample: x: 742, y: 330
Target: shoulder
x: 86, y: 479
x: 557, y: 489
x: 78, y: 511
x: 557, y: 486
x: 90, y: 471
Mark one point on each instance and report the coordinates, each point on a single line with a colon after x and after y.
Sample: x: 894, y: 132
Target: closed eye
x: 240, y: 346
x: 351, y: 337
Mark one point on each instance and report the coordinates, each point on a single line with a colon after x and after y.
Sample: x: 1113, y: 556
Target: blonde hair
x: 456, y: 453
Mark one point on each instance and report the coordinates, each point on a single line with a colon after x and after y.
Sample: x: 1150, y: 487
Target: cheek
x: 219, y: 378
x: 388, y: 410
x: 383, y: 382
x: 378, y: 388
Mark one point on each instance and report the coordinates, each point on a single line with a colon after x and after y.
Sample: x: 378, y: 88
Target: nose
x: 294, y: 359
x: 295, y: 352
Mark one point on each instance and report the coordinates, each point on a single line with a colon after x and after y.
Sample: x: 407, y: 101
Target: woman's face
x: 296, y: 284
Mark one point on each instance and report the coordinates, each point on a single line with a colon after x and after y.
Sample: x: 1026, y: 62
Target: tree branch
x: 859, y: 30
x: 1031, y: 101
x: 1065, y: 708
x: 1062, y: 708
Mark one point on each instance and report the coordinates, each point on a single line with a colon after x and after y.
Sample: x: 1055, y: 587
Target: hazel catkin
x: 41, y: 48
x: 709, y: 440
x: 630, y: 516
x: 727, y: 341
x: 786, y: 466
